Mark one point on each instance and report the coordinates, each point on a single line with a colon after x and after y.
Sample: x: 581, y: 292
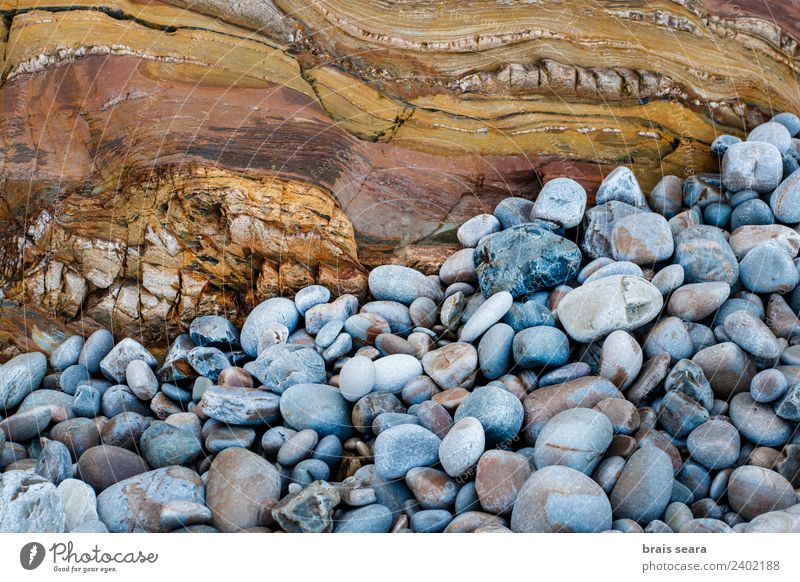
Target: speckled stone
x: 163, y: 445
x: 561, y: 200
x: 576, y: 438
x: 401, y: 448
x: 473, y: 230
x: 621, y: 185
x: 752, y: 165
x: 559, y: 499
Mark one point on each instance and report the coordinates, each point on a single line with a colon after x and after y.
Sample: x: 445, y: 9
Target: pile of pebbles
x: 631, y: 367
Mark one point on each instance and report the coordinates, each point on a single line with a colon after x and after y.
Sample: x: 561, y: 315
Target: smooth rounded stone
x: 367, y: 409
x: 752, y: 335
x: 576, y: 438
x: 692, y: 482
x: 72, y: 377
x: 758, y: 423
x: 142, y: 380
x: 592, y: 267
x: 176, y: 394
x: 374, y: 518
x: 652, y: 373
x: 622, y: 446
x: 79, y: 501
x: 720, y: 484
x: 393, y: 372
x: 721, y: 144
x: 499, y: 412
x: 763, y: 457
x: 124, y: 430
x: 702, y: 336
x: 525, y: 259
x: 559, y: 499
x: 773, y: 133
x: 214, y: 331
x: 401, y: 448
x: 476, y: 521
x: 357, y: 378
x: 499, y: 476
x: 565, y: 373
x: 308, y: 471
x: 66, y: 354
x: 328, y: 334
x: 785, y: 201
x: 728, y: 368
x: 789, y: 406
x: 644, y: 487
x: 104, y: 465
x: 775, y: 522
x: 451, y: 366
x: 753, y: 491
x: 513, y: 211
x: 452, y: 398
x: 626, y: 526
x: 623, y: 415
x: 423, y: 312
x: 241, y: 406
x: 643, y: 239
x: 275, y: 310
x: 543, y: 404
x: 340, y: 348
x: 137, y: 503
x: 494, y: 351
x: 365, y: 327
x: 600, y: 307
x: 55, y: 462
x: 705, y: 255
x: 621, y: 185
x: 231, y: 436
x: 433, y: 416
x: 677, y: 515
x: 96, y: 347
x: 616, y: 268
x: 688, y: 377
x: 735, y: 304
x: 561, y: 200
x: 163, y: 445
x: 241, y: 488
x: 387, y: 420
x: 669, y: 336
x: 119, y: 398
x: 430, y: 520
x: 705, y: 525
x: 389, y: 343
x: 401, y: 284
x: 686, y: 219
x: 393, y: 493
x: 486, y: 315
x: 788, y: 464
x: 473, y: 230
x: 340, y: 309
x: 718, y: 214
x: 752, y: 165
x: 20, y: 376
x: 458, y: 268
x: 541, y: 346
x: 528, y: 314
x: 182, y: 514
x: 11, y: 454
x: 462, y: 446
x: 274, y: 438
x: 697, y: 301
x: 87, y: 401
x: 666, y: 197
x: 598, y: 224
x: 768, y: 268
x: 310, y: 296
x: 467, y: 499
x: 29, y: 504
x: 620, y: 359
x: 78, y: 434
x: 782, y: 320
x: 658, y: 527
x: 395, y: 314
x: 418, y: 390
x: 433, y: 489
x: 114, y: 365
x: 714, y: 444
x: 668, y: 279
x: 26, y: 425
x: 60, y: 404
x: 607, y: 472
x: 317, y: 407
x: 789, y: 120
x: 750, y: 212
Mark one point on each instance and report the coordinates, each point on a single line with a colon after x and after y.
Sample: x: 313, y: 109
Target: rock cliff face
x: 161, y: 160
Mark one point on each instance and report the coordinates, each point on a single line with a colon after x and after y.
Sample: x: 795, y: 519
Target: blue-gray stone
x: 498, y: 410
x: 310, y: 296
x: 621, y: 185
x: 67, y: 353
x: 722, y: 142
x: 565, y: 373
x: 401, y: 448
x: 699, y: 191
x: 790, y: 121
x: 472, y: 231
x: 718, y: 214
x: 393, y: 493
x: 666, y: 197
x: 686, y: 376
x: 680, y: 414
x: 541, y: 346
x: 318, y: 407
x: 396, y: 314
x: 73, y: 377
x: 275, y: 310
x: 644, y: 487
x: 773, y: 133
x: 119, y: 398
x: 705, y: 255
x: 768, y: 268
x: 467, y: 499
x: 401, y: 284
x: 525, y: 259
x: 375, y: 518
x: 387, y: 420
x: 768, y: 386
x: 695, y: 478
x: 753, y: 211
x: 752, y: 165
x: 214, y: 331
x: 735, y: 304
x: 114, y: 365
x: 310, y: 470
x: 494, y: 351
x: 96, y: 347
x: 208, y: 362
x: 163, y: 445
x: 513, y: 211
x: 714, y: 444
x: 19, y: 377
x: 328, y: 334
x: 329, y: 449
x: 789, y: 406
x: 176, y: 394
x: 430, y: 520
x: 55, y: 462
x: 338, y: 349
x: 87, y: 401
x: 284, y: 365
x: 742, y: 197
x: 616, y: 268
x: 526, y: 314
x: 576, y: 438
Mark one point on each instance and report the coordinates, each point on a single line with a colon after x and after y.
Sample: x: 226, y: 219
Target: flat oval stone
x: 490, y: 312
x: 513, y: 211
x: 598, y: 224
x: 451, y: 366
x: 275, y: 310
x: 705, y: 255
x: 752, y: 165
x: 137, y: 503
x: 318, y: 407
x: 576, y: 438
x: 644, y: 487
x: 643, y: 239
x: 561, y: 200
x: 79, y: 501
x: 124, y: 430
x: 141, y: 379
x: 66, y: 354
x: 697, y: 301
x: 753, y: 491
x: 96, y: 347
x: 620, y: 359
x: 395, y: 314
x: 558, y: 499
x: 393, y: 372
x: 752, y: 335
x: 773, y: 133
x: 597, y: 308
x: 745, y: 238
x: 541, y: 346
x: 401, y: 448
x: 785, y: 201
x: 374, y: 518
x: 26, y: 425
x: 462, y: 446
x: 499, y: 477
x: 77, y: 434
x: 623, y: 415
x: 768, y: 386
x: 494, y: 351
x: 714, y: 444
x: 528, y: 314
x: 564, y: 373
x: 499, y: 412
x: 357, y: 378
x: 758, y: 423
x: 19, y: 377
x: 241, y: 488
x: 430, y: 520
x: 458, y: 268
x: 242, y: 406
x: 781, y: 276
x: 727, y: 367
x: 401, y: 284
x: 525, y: 259
x: 668, y: 279
x: 106, y: 465
x: 473, y: 230
x: 310, y: 296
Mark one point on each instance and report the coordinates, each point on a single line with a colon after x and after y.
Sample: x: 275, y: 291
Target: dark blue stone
x: 754, y: 211
x: 531, y: 313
